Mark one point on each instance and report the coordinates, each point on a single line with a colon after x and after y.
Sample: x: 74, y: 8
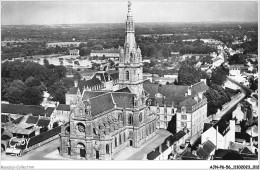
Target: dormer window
x: 183, y: 109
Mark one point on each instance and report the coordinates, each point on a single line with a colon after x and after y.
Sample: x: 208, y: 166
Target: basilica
x: 103, y: 123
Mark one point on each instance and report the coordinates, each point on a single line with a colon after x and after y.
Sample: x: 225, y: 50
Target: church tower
x: 130, y: 62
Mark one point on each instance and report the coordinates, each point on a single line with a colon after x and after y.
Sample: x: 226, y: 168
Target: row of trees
x: 24, y: 82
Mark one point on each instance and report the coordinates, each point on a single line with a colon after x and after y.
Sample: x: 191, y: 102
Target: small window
x: 183, y: 124
x: 184, y: 117
x: 127, y: 75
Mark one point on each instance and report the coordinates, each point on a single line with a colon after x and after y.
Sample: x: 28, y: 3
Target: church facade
x: 103, y: 123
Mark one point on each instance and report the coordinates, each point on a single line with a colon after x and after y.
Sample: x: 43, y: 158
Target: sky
x: 114, y: 11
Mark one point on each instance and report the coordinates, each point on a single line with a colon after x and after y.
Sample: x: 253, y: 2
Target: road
x: 36, y: 154
x: 244, y: 88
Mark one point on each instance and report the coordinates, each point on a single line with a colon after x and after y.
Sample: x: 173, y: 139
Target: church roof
x: 92, y: 94
x: 125, y: 89
x: 101, y: 103
x: 124, y: 100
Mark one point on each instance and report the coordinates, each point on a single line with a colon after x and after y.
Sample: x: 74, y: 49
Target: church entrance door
x: 97, y: 154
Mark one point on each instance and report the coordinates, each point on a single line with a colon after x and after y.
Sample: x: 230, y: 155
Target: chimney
x: 251, y: 141
x: 196, y: 98
x: 217, y: 138
x: 76, y: 83
x: 189, y: 91
x: 200, y: 94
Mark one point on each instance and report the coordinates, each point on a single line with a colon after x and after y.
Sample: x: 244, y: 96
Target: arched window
x: 130, y: 119
x: 140, y: 117
x: 120, y: 140
x: 67, y: 130
x: 124, y: 137
x: 107, y: 149
x: 127, y: 75
x: 115, y: 142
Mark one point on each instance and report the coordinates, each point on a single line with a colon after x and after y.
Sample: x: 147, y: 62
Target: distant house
x: 107, y: 53
x: 18, y: 110
x: 61, y: 114
x: 243, y: 153
x: 236, y: 69
x: 206, y: 150
x: 168, y: 146
x: 63, y: 44
x: 74, y: 52
x: 238, y: 114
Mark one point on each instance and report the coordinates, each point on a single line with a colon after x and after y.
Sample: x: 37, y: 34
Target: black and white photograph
x: 133, y: 84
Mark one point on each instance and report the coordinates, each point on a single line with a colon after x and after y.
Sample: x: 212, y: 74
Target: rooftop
x: 26, y: 109
x: 63, y: 107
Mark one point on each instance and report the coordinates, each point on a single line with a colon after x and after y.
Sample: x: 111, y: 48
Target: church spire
x: 130, y: 43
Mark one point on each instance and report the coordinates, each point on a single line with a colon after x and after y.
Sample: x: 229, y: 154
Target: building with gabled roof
x: 188, y: 102
x: 101, y: 124
x: 17, y: 110
x: 220, y: 133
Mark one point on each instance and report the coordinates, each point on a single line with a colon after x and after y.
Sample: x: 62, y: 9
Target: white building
x: 220, y: 133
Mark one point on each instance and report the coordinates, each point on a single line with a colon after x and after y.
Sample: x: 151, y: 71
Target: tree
x: 57, y: 91
x: 188, y: 75
x: 15, y: 92
x: 219, y: 75
x: 31, y: 82
x: 77, y: 76
x: 46, y: 62
x: 237, y: 59
x: 82, y: 52
x: 32, y: 96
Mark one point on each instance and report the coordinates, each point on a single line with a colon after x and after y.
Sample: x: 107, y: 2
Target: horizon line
x: 152, y: 22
